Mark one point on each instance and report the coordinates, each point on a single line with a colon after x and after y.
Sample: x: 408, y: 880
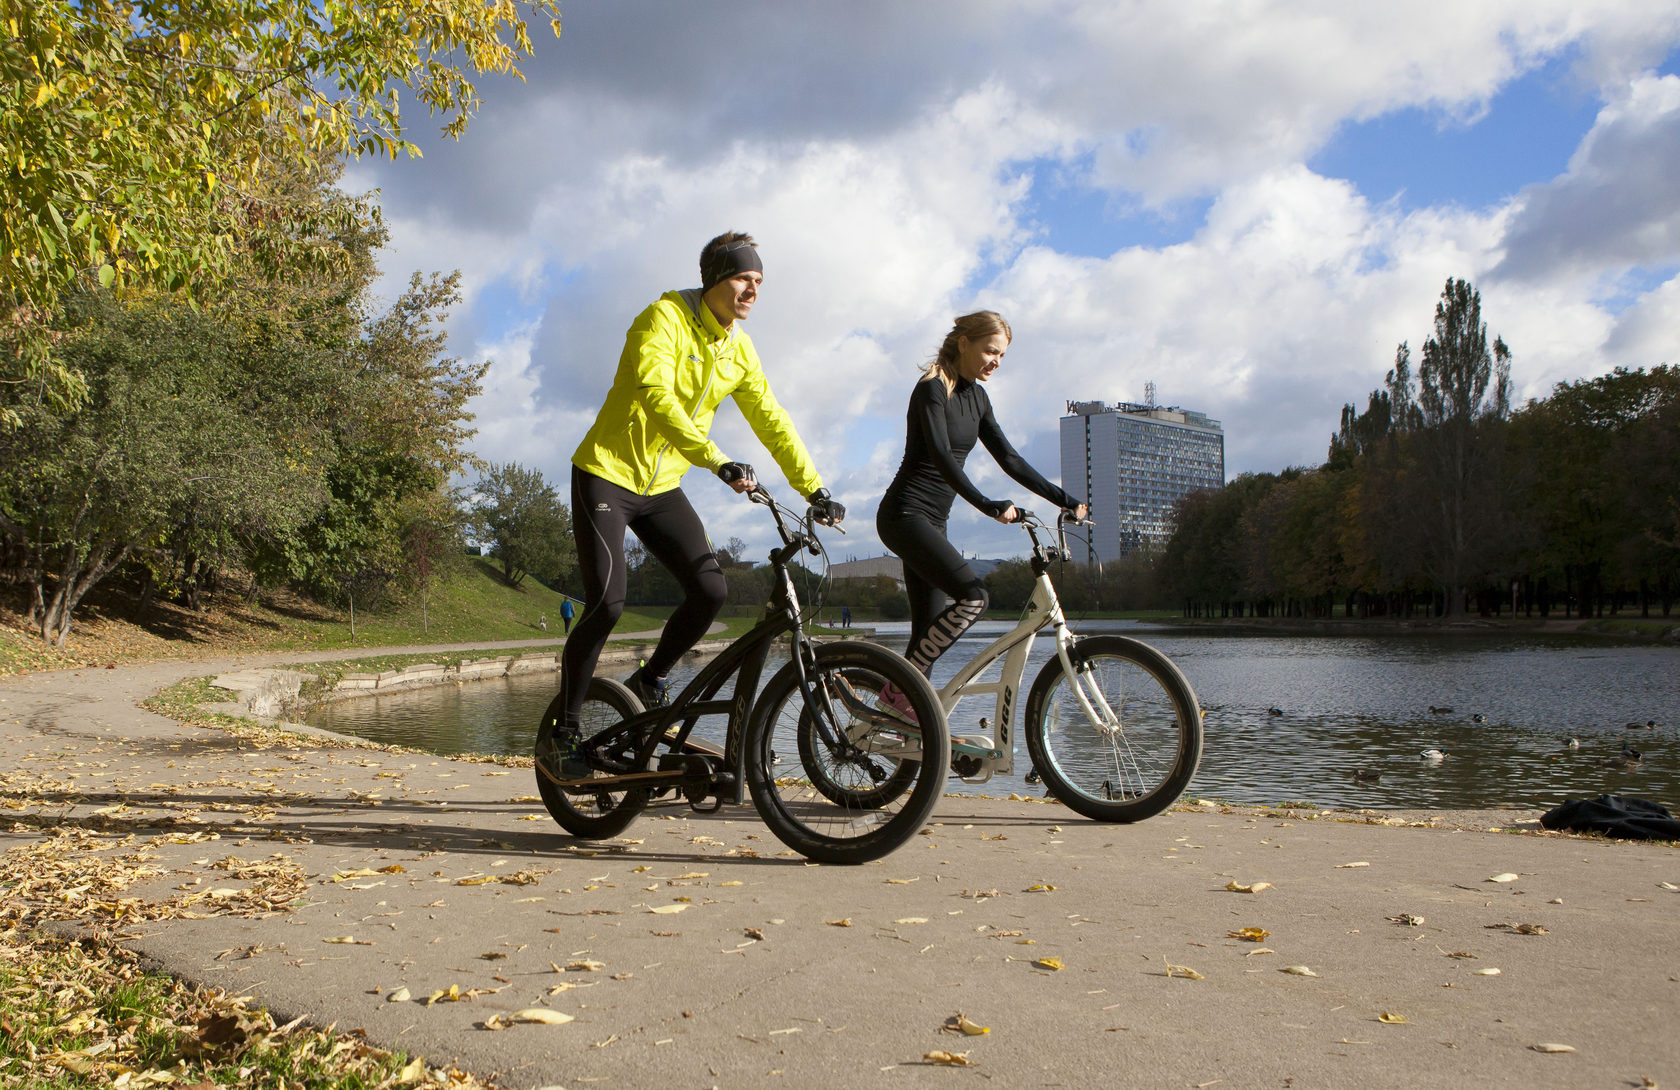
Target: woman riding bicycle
x: 949, y: 411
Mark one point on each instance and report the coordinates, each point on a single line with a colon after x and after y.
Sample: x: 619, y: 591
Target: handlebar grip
x: 730, y: 472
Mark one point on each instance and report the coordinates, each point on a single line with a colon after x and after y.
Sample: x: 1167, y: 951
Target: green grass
x: 473, y: 606
x: 1649, y: 627
x: 21, y: 653
x: 76, y: 1013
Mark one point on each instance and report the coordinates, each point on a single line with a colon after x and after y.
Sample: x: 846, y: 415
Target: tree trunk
x: 75, y: 581
x: 148, y: 587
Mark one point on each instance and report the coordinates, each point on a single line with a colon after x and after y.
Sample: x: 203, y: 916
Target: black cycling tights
x: 668, y: 526
x: 933, y: 569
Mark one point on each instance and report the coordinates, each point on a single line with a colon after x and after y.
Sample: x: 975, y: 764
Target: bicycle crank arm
x: 871, y: 715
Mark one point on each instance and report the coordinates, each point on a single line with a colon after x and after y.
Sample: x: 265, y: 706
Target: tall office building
x: 1134, y: 462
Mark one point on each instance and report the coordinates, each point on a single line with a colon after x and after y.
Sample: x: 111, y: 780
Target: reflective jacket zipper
x: 711, y: 373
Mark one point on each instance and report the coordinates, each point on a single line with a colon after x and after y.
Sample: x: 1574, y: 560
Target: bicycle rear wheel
x: 1138, y: 754
x: 593, y: 813
x: 824, y: 810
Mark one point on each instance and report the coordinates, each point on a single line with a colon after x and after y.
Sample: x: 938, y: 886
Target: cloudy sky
x: 1249, y: 204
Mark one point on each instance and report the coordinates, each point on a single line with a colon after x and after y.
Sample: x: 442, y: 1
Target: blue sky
x: 1249, y: 206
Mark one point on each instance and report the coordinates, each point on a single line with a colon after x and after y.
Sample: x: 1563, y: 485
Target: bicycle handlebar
x: 1032, y: 523
x: 802, y: 537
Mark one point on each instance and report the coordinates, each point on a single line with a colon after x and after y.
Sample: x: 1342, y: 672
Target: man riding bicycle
x: 682, y: 356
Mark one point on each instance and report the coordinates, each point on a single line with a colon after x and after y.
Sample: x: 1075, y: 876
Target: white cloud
x: 1619, y: 202
x: 1648, y: 333
x: 882, y: 155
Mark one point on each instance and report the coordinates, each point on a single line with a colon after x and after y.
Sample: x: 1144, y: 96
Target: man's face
x: 733, y: 298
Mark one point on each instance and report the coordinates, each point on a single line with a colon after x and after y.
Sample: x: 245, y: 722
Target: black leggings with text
x: 933, y: 571
x: 667, y: 525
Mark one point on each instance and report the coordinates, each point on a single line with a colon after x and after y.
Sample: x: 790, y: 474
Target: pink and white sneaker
x: 897, y: 701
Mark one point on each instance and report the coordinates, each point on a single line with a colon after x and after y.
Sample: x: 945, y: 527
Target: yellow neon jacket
x: 678, y: 365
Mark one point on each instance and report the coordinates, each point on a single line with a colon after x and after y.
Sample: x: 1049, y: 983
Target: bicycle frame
x: 997, y: 755
x: 743, y: 659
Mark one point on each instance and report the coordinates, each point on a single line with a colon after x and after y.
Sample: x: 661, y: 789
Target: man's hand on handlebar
x: 826, y: 509
x: 1077, y: 513
x: 738, y: 475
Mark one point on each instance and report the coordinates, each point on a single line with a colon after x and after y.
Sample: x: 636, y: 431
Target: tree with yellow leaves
x: 135, y: 134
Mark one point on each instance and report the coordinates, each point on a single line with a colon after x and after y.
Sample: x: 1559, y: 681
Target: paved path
x: 428, y: 873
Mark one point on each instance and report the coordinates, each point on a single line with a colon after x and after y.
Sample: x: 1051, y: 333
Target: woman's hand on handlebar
x: 1079, y: 512
x: 1008, y: 515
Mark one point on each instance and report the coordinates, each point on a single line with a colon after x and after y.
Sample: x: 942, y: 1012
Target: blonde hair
x: 982, y: 323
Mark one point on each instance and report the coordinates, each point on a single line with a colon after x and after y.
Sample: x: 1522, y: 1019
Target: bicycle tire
x: 1139, y: 767
x: 843, y: 830
x: 593, y: 813
x: 865, y: 780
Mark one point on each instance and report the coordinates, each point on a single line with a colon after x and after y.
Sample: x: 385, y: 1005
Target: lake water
x: 1348, y: 703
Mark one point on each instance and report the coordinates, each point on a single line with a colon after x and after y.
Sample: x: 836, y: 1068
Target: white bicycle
x: 1113, y: 727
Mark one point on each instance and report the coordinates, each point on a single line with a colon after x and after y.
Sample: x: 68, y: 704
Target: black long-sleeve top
x: 940, y: 431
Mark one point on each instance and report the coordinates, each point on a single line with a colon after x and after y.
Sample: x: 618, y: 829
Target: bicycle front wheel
x: 593, y: 813
x: 1127, y: 750
x: 868, y: 778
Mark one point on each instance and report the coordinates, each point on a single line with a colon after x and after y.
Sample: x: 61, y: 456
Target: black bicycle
x: 821, y: 711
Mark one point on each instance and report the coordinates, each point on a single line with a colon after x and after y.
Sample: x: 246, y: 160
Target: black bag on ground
x: 1613, y: 815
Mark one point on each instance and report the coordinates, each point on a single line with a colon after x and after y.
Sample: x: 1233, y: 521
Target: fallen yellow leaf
x: 667, y: 910
x: 1237, y: 887
x: 543, y: 1016
x: 1391, y: 1018
x: 1489, y: 971
x: 838, y: 923
x: 1297, y: 970
x: 1050, y: 963
x: 1184, y: 971
x: 969, y: 1028
x: 399, y: 996
x: 1550, y: 1047
x: 1249, y: 934
x: 1345, y: 866
x: 1506, y: 877
x: 949, y: 1059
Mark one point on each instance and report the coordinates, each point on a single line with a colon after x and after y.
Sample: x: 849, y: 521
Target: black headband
x: 732, y: 260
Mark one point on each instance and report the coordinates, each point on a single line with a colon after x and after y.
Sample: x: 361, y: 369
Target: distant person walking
x: 567, y: 612
x: 542, y: 621
x: 845, y: 616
